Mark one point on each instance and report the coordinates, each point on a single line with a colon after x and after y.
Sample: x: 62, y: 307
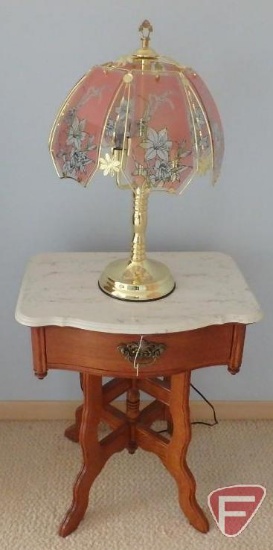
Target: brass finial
x: 145, y: 29
x: 145, y: 52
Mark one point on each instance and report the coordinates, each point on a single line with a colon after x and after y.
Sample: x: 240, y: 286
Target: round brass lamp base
x: 136, y: 281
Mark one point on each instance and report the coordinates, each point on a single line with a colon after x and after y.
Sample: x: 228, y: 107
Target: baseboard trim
x: 64, y: 410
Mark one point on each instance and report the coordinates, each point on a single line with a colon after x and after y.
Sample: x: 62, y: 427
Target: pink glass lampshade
x: 144, y: 119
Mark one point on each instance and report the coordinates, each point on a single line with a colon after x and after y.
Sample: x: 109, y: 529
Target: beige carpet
x: 133, y: 504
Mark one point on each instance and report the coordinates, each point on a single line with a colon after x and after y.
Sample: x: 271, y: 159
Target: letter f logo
x: 234, y: 507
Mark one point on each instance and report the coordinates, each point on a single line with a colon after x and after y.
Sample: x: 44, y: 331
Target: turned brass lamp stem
x: 140, y: 204
x: 137, y: 278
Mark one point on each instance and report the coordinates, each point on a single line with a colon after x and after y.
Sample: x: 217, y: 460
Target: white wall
x: 45, y: 47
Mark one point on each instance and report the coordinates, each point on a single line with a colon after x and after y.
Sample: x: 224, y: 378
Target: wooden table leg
x: 168, y: 417
x: 175, y: 459
x: 93, y: 457
x: 73, y: 432
x: 172, y: 453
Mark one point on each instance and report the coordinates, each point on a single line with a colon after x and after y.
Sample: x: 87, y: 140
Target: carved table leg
x: 93, y: 457
x: 73, y: 432
x: 168, y: 416
x: 175, y: 459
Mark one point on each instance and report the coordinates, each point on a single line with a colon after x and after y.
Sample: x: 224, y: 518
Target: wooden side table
x: 151, y: 347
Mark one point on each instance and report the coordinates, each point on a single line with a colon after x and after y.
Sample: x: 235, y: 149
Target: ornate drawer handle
x: 143, y: 352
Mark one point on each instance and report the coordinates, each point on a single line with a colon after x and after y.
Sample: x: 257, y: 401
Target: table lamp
x: 150, y: 123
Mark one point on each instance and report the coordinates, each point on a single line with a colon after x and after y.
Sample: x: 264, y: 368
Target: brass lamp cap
x: 145, y: 52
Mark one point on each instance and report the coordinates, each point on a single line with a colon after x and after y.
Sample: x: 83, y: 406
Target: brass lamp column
x: 139, y: 278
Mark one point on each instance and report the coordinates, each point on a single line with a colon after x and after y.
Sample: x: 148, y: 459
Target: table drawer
x: 82, y: 350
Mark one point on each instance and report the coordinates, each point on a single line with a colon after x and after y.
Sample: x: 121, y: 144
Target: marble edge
x: 133, y: 329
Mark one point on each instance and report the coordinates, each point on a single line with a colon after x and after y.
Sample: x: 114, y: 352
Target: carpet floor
x: 133, y: 503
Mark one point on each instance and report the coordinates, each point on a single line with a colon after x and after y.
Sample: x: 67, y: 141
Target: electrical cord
x: 210, y: 424
x: 210, y: 405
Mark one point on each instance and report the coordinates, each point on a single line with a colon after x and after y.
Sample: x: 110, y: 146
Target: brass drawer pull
x: 143, y: 352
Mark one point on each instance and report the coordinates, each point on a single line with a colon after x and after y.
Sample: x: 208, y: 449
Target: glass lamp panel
x: 161, y: 152
x: 76, y: 135
x: 200, y: 130
x: 114, y: 143
x: 213, y: 119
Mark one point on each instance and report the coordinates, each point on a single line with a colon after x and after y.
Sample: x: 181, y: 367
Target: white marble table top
x: 62, y: 289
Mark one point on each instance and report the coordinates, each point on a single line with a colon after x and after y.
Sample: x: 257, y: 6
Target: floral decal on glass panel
x: 166, y: 160
x: 213, y: 117
x: 159, y: 156
x: 162, y: 170
x: 79, y: 145
x: 76, y: 134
